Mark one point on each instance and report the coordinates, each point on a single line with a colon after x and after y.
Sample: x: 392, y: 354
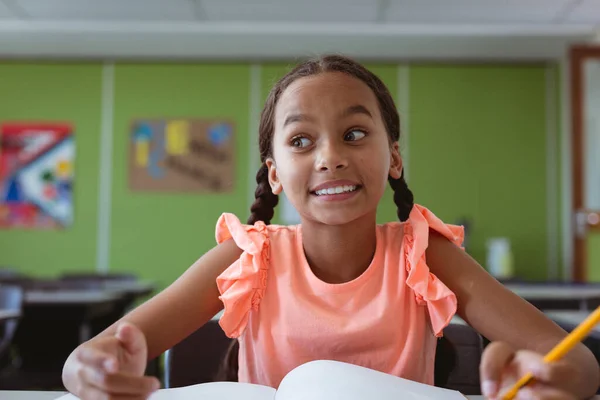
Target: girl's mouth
x: 336, y: 190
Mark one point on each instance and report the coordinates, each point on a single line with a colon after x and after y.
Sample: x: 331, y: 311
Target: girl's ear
x: 395, y: 162
x: 276, y: 187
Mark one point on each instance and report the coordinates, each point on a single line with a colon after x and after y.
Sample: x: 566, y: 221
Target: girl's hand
x: 111, y: 367
x: 501, y: 366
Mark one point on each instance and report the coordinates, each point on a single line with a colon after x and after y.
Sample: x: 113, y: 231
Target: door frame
x: 578, y: 55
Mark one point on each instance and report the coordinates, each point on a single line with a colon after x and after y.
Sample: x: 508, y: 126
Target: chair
x: 11, y: 299
x: 11, y: 276
x: 8, y: 272
x: 457, y: 359
x: 197, y: 358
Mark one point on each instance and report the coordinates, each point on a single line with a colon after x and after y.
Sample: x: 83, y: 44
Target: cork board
x: 181, y: 155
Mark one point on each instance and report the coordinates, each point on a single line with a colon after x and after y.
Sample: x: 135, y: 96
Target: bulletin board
x: 36, y: 175
x: 181, y: 155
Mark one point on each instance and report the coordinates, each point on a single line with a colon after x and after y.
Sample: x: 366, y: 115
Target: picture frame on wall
x: 182, y: 155
x: 36, y: 175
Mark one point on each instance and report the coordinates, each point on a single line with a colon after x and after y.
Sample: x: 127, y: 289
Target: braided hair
x: 262, y: 208
x: 265, y: 200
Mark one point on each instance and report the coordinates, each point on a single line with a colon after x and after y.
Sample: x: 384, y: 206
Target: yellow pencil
x: 559, y: 350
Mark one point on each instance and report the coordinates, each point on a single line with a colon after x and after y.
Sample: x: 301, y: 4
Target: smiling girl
x: 338, y: 286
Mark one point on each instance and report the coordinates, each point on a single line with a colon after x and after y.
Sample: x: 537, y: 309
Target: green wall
x: 478, y: 150
x: 593, y: 253
x: 476, y: 140
x: 159, y: 235
x: 57, y: 92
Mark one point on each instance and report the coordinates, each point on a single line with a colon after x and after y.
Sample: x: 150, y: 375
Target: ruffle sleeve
x: 242, y: 285
x: 429, y: 290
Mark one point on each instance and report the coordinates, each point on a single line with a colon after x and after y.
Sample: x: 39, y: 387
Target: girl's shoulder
x: 407, y: 242
x: 418, y: 226
x: 228, y: 222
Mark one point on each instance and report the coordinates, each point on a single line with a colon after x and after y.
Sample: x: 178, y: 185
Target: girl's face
x: 331, y: 152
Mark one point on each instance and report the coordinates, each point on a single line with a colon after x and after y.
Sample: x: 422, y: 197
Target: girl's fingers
x: 119, y: 384
x: 558, y: 374
x: 495, y: 358
x: 131, y: 338
x: 91, y: 356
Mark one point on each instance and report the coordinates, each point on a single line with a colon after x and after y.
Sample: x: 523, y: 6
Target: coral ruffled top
x: 387, y: 319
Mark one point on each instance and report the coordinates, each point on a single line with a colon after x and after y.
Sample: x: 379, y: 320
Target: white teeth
x: 336, y: 190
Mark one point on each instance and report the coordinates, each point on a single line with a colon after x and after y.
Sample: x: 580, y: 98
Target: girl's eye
x: 354, y: 135
x: 300, y: 142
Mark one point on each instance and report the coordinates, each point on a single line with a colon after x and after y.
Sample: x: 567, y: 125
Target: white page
x: 332, y: 380
x: 209, y: 391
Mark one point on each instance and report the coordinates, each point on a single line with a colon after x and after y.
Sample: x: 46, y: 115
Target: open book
x: 315, y: 380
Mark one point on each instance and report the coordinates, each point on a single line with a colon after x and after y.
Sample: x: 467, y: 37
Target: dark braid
x: 403, y: 197
x: 263, y: 207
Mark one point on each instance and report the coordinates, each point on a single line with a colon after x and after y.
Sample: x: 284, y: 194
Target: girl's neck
x: 341, y: 253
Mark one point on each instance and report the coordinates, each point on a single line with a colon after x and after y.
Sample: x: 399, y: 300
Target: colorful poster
x: 36, y: 175
x: 181, y: 155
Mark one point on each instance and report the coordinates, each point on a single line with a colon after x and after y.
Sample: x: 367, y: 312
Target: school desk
x: 140, y: 288
x: 59, y: 315
x: 33, y: 395
x: 9, y: 314
x: 558, y: 295
x: 569, y: 319
x: 572, y: 319
x: 53, y: 322
x: 66, y: 306
x: 93, y: 308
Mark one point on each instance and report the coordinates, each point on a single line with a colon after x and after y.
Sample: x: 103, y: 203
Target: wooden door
x: 585, y: 103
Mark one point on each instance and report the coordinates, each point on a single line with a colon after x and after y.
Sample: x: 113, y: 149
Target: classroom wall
x: 158, y: 235
x: 478, y: 151
x: 476, y: 148
x: 57, y: 92
x: 593, y: 254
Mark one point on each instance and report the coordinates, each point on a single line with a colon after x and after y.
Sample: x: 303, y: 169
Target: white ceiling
x: 386, y: 11
x: 395, y: 29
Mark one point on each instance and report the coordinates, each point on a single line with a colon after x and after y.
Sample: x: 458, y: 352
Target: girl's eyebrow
x: 290, y: 119
x: 352, y: 110
x: 356, y: 109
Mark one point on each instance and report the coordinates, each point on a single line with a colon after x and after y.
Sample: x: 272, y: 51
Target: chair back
x: 11, y: 299
x: 457, y: 359
x: 198, y: 358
